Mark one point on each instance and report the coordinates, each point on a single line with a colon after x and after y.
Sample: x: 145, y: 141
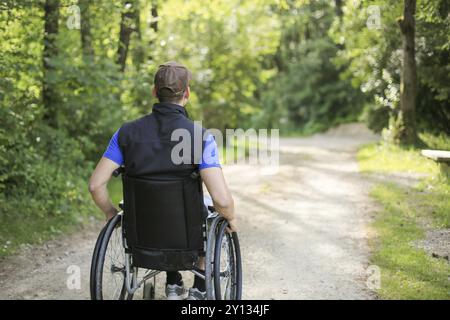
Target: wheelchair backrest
x: 162, y: 219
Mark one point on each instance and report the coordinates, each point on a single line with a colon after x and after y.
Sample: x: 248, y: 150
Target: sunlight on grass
x: 383, y: 158
x: 407, y: 272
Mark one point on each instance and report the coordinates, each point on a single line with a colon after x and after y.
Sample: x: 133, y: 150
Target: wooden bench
x: 441, y: 157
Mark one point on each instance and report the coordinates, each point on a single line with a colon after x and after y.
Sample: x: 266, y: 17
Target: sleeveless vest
x: 147, y: 147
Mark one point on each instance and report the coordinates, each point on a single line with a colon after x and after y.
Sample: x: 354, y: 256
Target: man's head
x: 172, y: 83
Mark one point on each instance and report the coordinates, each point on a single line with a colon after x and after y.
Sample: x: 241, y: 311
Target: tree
x: 338, y: 8
x: 374, y: 63
x: 223, y: 43
x: 433, y: 65
x: 85, y: 29
x: 153, y: 23
x: 51, y: 16
x: 127, y: 26
x: 307, y: 92
x: 154, y: 13
x: 408, y: 86
x: 139, y: 51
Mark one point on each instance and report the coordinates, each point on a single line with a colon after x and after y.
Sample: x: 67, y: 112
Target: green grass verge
x: 33, y: 221
x: 385, y: 158
x: 406, y: 271
x: 15, y: 231
x: 29, y: 221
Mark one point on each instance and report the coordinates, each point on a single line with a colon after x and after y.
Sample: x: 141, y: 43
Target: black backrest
x: 163, y: 221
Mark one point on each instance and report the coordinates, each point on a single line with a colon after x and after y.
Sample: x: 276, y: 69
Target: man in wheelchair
x: 144, y: 148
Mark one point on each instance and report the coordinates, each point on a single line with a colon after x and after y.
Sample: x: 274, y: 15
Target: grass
x: 26, y: 221
x: 385, y: 159
x: 15, y: 232
x: 407, y: 272
x: 18, y: 229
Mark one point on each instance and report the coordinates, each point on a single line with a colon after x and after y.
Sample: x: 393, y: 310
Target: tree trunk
x: 338, y: 7
x: 154, y: 12
x: 126, y: 28
x: 139, y: 52
x: 85, y: 29
x: 51, y: 17
x: 153, y: 25
x: 408, y: 86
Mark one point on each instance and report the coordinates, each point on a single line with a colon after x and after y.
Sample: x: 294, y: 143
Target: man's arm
x: 220, y: 194
x: 98, y: 186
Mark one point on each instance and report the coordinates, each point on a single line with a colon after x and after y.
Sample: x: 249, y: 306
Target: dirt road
x: 303, y: 231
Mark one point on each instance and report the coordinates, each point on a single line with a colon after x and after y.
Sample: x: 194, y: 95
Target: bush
x: 376, y: 117
x: 43, y: 177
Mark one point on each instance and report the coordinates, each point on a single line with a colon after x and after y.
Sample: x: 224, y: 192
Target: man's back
x: 147, y: 144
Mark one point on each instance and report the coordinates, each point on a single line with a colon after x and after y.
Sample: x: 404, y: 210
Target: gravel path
x: 303, y: 231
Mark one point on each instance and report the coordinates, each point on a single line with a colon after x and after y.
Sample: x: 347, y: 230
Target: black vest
x: 146, y: 143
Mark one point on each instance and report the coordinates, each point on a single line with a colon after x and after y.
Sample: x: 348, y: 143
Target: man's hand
x: 111, y: 215
x: 232, y: 225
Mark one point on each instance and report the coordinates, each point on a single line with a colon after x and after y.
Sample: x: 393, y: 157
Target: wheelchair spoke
x: 226, y: 268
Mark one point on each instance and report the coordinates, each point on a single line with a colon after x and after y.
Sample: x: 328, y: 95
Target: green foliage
x: 376, y: 116
x: 223, y: 43
x: 374, y: 58
x: 44, y: 169
x: 43, y: 187
x: 432, y: 141
x: 308, y: 91
x: 294, y: 65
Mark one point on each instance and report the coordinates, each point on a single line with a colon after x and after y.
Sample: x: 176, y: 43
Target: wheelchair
x: 164, y: 226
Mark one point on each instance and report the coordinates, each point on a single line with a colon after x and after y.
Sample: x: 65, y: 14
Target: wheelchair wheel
x: 223, y: 263
x: 108, y: 264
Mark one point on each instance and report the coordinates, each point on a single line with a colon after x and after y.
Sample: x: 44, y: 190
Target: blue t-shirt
x: 210, y: 156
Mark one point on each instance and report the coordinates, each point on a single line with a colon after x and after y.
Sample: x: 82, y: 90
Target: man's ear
x: 187, y: 93
x: 154, y: 92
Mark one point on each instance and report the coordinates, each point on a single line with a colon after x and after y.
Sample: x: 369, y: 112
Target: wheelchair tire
x: 108, y: 243
x: 233, y: 264
x: 94, y: 262
x: 238, y: 262
x: 218, y: 236
x: 209, y: 258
